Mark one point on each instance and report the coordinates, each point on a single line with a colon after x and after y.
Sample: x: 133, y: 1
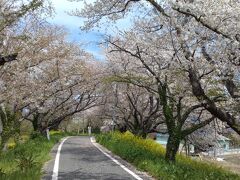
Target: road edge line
x: 116, y: 161
x: 56, y: 162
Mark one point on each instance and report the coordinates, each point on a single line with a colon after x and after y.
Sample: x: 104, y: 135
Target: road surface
x: 81, y: 159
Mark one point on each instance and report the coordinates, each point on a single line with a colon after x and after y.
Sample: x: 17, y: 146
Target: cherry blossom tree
x: 131, y: 108
x: 59, y: 82
x: 14, y: 13
x: 160, y: 79
x: 53, y: 79
x: 15, y: 17
x: 190, y: 49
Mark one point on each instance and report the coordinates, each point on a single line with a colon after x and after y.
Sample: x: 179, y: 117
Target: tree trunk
x: 35, y: 124
x: 143, y: 135
x: 41, y: 128
x: 139, y: 132
x: 54, y: 127
x: 4, y: 139
x: 172, y: 147
x: 2, y: 144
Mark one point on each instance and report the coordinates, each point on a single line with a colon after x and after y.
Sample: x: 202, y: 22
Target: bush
x: 53, y: 132
x: 96, y: 130
x: 11, y: 145
x: 149, y: 156
x: 2, y: 174
x: 26, y: 160
x: 10, y: 125
x: 35, y: 134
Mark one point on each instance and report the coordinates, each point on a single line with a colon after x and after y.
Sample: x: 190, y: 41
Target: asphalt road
x: 80, y: 159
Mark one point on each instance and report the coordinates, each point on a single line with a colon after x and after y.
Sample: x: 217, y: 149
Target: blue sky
x: 89, y: 40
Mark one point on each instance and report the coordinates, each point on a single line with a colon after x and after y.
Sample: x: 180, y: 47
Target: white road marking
x: 56, y: 163
x: 117, y: 162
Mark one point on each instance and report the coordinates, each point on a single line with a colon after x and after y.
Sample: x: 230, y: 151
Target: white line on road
x: 117, y: 162
x: 56, y: 163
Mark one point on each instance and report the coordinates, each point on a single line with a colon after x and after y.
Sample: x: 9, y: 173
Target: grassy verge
x: 147, y: 155
x: 25, y: 161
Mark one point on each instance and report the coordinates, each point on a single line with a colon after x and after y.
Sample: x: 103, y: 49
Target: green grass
x: 25, y: 161
x: 148, y: 155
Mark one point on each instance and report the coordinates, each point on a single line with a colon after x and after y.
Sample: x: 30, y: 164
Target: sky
x: 89, y: 40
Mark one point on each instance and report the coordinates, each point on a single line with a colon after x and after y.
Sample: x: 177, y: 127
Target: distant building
x: 162, y: 138
x: 223, y: 142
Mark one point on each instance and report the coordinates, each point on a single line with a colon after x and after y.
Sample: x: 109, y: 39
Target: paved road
x: 80, y: 159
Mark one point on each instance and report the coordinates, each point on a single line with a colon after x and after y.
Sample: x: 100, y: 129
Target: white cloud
x: 62, y: 7
x: 65, y: 5
x: 73, y: 24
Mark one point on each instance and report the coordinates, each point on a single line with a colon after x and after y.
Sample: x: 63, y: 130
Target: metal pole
x: 48, y: 134
x: 78, y: 126
x: 114, y: 106
x: 83, y: 123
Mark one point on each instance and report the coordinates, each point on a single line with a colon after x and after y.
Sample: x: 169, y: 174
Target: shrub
x: 11, y: 145
x: 53, y: 132
x: 25, y: 160
x: 2, y: 173
x: 10, y: 125
x: 35, y: 134
x: 149, y: 156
